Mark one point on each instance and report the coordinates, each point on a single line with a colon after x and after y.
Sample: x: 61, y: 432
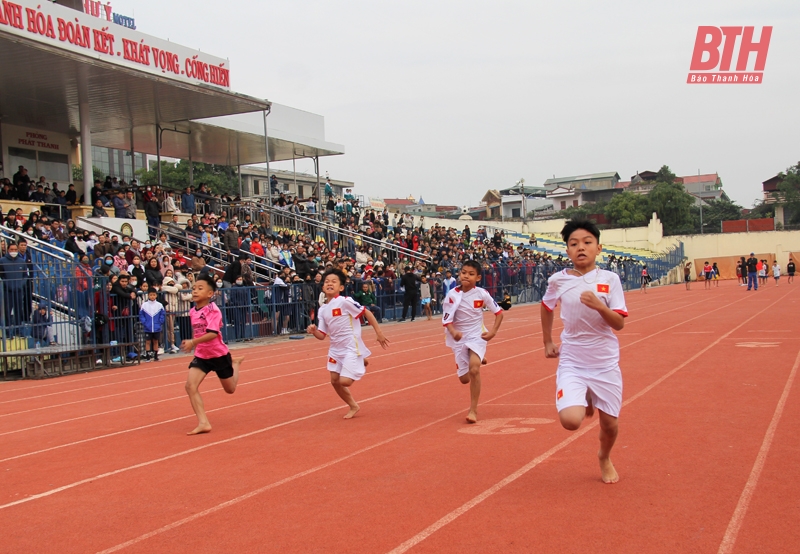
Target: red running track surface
x: 707, y: 451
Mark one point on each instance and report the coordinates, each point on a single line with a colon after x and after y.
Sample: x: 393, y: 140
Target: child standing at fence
x: 347, y: 355
x: 463, y: 320
x: 152, y: 316
x: 210, y: 353
x: 592, y: 308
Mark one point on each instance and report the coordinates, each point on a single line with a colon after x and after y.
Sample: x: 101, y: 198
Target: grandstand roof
x: 552, y: 183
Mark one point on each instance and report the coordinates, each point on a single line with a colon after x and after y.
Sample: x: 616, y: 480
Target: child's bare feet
x: 607, y: 470
x: 472, y: 417
x: 200, y: 429
x: 353, y: 411
x: 589, y: 406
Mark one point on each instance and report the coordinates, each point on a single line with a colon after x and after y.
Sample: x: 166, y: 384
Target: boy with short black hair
x: 592, y: 308
x: 152, y: 316
x: 347, y: 355
x: 790, y: 271
x: 211, y: 354
x: 465, y: 333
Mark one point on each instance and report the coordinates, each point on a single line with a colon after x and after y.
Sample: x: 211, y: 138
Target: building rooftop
x: 590, y: 177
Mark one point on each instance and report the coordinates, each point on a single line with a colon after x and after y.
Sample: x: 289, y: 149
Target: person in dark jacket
x: 153, y: 214
x: 238, y: 300
x: 233, y: 272
x: 152, y: 273
x: 120, y: 205
x: 42, y: 329
x: 13, y: 272
x: 409, y: 281
x: 99, y: 210
x: 752, y: 271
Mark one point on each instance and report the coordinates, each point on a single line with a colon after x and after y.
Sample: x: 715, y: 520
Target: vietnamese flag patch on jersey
x: 559, y: 394
x: 336, y: 312
x: 331, y: 361
x: 602, y: 288
x: 478, y: 304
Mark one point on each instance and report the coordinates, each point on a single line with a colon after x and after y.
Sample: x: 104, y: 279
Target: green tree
x: 717, y: 211
x: 788, y: 194
x: 628, y: 209
x: 672, y: 203
x: 219, y: 178
x: 584, y: 211
x: 77, y: 174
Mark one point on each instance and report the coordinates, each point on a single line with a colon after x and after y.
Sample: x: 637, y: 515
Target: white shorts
x: 350, y: 365
x: 604, y: 386
x: 462, y: 350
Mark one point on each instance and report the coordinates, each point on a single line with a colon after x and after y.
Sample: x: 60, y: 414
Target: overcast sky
x: 447, y: 99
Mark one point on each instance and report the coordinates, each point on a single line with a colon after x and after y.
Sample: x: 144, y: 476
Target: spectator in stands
x: 238, y: 300
x: 198, y: 262
x: 13, y: 272
x: 21, y: 180
x: 409, y: 282
x: 98, y: 210
x: 152, y: 272
x: 233, y: 272
x: 230, y: 242
x: 124, y: 299
x: 170, y: 290
x: 188, y: 201
x: 366, y: 298
x: 120, y: 205
x: 103, y: 246
x: 71, y: 196
x: 152, y: 212
x: 130, y: 209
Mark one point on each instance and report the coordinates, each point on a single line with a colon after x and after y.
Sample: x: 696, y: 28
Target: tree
x: 672, y: 203
x: 77, y: 174
x: 628, y: 209
x: 788, y: 194
x: 219, y: 178
x: 584, y: 211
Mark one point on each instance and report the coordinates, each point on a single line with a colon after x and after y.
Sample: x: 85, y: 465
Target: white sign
x: 34, y: 139
x: 77, y: 32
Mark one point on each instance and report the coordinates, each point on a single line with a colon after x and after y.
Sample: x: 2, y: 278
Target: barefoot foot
x: 607, y: 471
x: 200, y: 429
x: 353, y: 411
x: 472, y: 417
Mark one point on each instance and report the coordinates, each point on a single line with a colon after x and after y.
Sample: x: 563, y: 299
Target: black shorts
x: 222, y: 366
x: 152, y: 336
x: 687, y: 278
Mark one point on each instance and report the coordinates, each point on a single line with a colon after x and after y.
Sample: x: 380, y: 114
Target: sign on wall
x: 80, y: 33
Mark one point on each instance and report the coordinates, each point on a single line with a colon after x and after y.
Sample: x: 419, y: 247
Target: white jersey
x: 339, y: 320
x: 587, y: 340
x: 776, y: 271
x: 464, y: 310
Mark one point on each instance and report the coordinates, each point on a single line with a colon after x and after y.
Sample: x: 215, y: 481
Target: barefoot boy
x: 466, y: 335
x: 339, y: 319
x: 592, y: 308
x: 210, y: 353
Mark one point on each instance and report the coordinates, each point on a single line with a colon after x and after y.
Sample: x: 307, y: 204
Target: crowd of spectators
x: 265, y: 273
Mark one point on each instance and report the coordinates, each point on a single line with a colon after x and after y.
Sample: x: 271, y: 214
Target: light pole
x: 521, y: 185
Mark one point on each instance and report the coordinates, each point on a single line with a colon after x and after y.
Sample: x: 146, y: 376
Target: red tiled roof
x: 707, y: 178
x: 622, y: 185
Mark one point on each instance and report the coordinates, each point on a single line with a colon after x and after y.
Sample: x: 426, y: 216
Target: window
x: 256, y: 187
x: 54, y: 167
x: 515, y: 212
x: 563, y: 204
x: 574, y: 203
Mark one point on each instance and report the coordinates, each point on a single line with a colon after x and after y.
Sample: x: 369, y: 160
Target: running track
x: 707, y: 451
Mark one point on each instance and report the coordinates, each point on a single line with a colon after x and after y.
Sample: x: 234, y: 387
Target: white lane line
x: 430, y: 530
x: 256, y: 492
x: 735, y: 524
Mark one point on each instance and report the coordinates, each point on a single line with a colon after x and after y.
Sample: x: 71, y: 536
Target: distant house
x: 770, y: 187
x: 703, y: 187
x: 565, y: 192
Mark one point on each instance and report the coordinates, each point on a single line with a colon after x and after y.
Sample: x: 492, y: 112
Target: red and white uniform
x: 464, y: 311
x: 589, y: 355
x: 339, y: 319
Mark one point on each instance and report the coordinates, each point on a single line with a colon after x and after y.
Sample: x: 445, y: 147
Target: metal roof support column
x: 133, y: 158
x: 158, y: 152
x: 191, y: 166
x: 239, y: 170
x: 266, y: 149
x: 86, y: 134
x: 316, y: 166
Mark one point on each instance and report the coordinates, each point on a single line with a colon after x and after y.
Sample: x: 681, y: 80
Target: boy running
x: 210, y: 353
x: 463, y: 319
x: 592, y: 308
x: 339, y: 319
